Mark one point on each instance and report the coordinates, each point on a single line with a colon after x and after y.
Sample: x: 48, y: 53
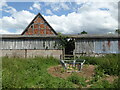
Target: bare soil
x: 87, y: 72
x: 110, y: 78
x: 57, y: 71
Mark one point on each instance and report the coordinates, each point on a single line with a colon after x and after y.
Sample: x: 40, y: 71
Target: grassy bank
x: 31, y: 73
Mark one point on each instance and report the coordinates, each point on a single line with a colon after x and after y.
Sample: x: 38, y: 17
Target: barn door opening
x: 70, y: 46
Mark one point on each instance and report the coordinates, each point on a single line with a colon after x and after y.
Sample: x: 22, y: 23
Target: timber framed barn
x: 40, y: 39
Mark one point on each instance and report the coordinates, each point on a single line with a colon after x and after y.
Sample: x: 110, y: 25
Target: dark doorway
x: 70, y: 46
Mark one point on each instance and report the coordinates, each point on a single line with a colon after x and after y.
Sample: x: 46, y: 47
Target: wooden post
x: 25, y: 53
x: 63, y: 53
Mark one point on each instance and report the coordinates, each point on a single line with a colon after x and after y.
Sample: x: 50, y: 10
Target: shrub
x: 74, y: 78
x: 109, y: 63
x: 116, y: 83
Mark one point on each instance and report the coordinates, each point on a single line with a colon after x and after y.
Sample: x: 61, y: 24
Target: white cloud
x: 5, y: 32
x: 64, y: 6
x: 89, y: 17
x: 56, y: 6
x: 31, y: 8
x: 4, y: 7
x: 36, y: 5
x: 48, y: 11
x: 9, y: 9
x: 3, y: 3
x: 17, y: 22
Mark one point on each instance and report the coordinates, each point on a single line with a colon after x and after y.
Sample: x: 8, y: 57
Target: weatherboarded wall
x: 45, y: 43
x: 23, y: 47
x: 97, y: 46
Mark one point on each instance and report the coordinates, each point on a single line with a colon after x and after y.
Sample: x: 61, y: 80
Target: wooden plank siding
x: 87, y: 46
x: 30, y: 44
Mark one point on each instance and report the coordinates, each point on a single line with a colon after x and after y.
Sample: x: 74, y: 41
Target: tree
x: 83, y: 32
x: 117, y: 31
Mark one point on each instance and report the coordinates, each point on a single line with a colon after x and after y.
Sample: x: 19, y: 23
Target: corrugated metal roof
x: 95, y: 36
x: 26, y: 36
x: 51, y: 36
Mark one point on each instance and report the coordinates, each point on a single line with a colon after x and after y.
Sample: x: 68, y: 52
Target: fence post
x: 25, y: 53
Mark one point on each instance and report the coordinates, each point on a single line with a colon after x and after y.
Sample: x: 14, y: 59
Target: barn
x: 40, y: 39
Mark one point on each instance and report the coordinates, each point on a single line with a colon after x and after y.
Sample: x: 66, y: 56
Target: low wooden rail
x: 67, y: 57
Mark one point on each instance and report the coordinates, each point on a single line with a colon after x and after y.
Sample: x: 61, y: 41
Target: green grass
x: 31, y: 73
x: 80, y: 81
x: 107, y: 64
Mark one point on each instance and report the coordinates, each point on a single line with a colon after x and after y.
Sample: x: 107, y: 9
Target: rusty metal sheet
x: 106, y: 46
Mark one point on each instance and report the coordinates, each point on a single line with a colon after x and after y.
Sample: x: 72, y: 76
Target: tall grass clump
x: 74, y: 78
x: 31, y: 73
x: 108, y: 63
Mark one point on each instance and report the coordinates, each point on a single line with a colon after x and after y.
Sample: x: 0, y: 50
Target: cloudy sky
x: 64, y: 17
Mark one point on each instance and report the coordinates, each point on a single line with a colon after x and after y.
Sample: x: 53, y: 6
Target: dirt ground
x: 87, y: 72
x: 57, y: 71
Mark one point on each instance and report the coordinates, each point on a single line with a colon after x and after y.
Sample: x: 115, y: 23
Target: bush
x: 74, y: 78
x: 116, y: 83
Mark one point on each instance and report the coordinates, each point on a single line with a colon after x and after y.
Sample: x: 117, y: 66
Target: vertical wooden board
x: 10, y: 44
x: 7, y: 44
x: 37, y: 44
x: 30, y: 44
x: 46, y: 44
x: 34, y: 44
x: 25, y: 44
x: 40, y: 44
x: 79, y: 49
x: 97, y: 46
x: 17, y: 44
x: 83, y: 46
x: 4, y: 45
x: 87, y: 46
x: 53, y: 44
x: 115, y: 47
x: 14, y: 41
x: 0, y: 43
x: 50, y: 44
x: 20, y: 44
x: 92, y: 46
x: 75, y: 47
